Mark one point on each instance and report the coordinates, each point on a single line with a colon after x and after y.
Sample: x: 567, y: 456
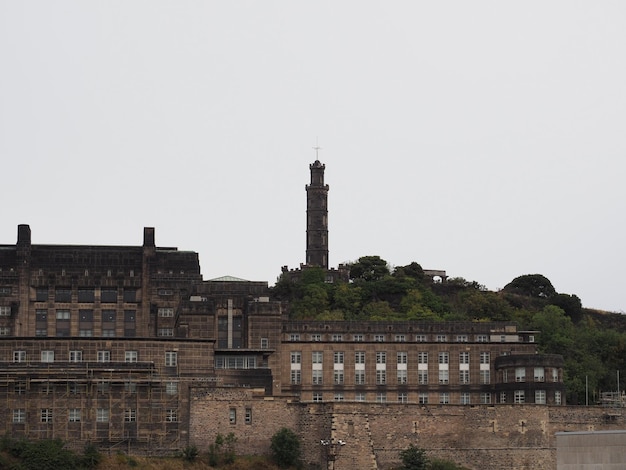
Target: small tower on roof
x: 317, y: 217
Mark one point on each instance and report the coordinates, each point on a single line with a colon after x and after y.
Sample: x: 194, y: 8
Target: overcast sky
x: 485, y: 138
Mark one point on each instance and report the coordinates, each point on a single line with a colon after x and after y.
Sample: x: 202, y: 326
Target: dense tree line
x: 593, y: 352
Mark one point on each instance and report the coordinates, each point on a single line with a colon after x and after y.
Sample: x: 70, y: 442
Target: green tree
x: 413, y: 458
x: 369, y: 268
x: 531, y: 285
x: 285, y: 448
x: 571, y: 305
x: 413, y: 270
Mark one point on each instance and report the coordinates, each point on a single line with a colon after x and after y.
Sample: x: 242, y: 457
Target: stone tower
x: 317, y: 218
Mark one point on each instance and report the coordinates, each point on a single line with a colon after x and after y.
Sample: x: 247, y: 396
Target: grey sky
x: 484, y: 138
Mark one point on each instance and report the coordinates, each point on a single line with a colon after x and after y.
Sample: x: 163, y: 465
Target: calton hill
x: 592, y: 342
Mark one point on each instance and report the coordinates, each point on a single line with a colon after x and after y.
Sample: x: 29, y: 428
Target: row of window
x: 443, y: 398
x: 171, y: 357
x: 401, y: 338
x: 539, y: 374
x: 317, y: 357
x: 64, y: 294
x: 75, y: 415
x: 402, y: 377
x: 76, y: 388
x: 232, y: 416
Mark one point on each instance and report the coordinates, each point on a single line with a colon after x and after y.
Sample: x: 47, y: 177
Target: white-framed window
x: 165, y: 312
x: 338, y: 376
x: 485, y: 376
x: 359, y: 396
x: 422, y: 358
x: 85, y: 332
x: 47, y: 356
x: 464, y: 377
x: 317, y: 397
x: 102, y: 415
x: 381, y: 397
x: 381, y: 357
x: 520, y: 374
x: 484, y: 357
x: 130, y: 415
x: 5, y: 311
x: 422, y: 377
x: 400, y: 338
x: 461, y: 338
x: 19, y: 356
x: 131, y: 356
x: 46, y: 415
x: 441, y: 338
x: 555, y: 375
x: 19, y: 415
x: 316, y: 337
x: 5, y: 331
x: 165, y: 332
x: 540, y: 397
x: 444, y: 398
x: 171, y: 388
x: 130, y: 386
x: 265, y: 343
x: 519, y: 396
x: 338, y: 396
x: 296, y: 376
x: 296, y: 357
x: 359, y: 357
x: 248, y: 416
x: 294, y: 337
x: 402, y: 376
x: 539, y: 374
x: 317, y: 357
x: 402, y: 357
x: 379, y: 338
x: 403, y: 397
x: 171, y: 358
x: 482, y: 338
x: 74, y: 415
x: 171, y: 415
x: 338, y: 357
x: 444, y: 376
x: 422, y: 398
x: 464, y: 358
x: 357, y: 338
x: 63, y: 314
x: 317, y: 375
x: 557, y: 397
x: 421, y: 338
x: 359, y: 377
x: 381, y: 377
x: 337, y: 338
x: 444, y: 358
x: 465, y: 398
x: 76, y: 356
x: 502, y: 397
x: 103, y: 387
x: 485, y: 398
x: 104, y: 356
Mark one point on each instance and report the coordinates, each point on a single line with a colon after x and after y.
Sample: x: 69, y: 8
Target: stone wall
x: 479, y: 437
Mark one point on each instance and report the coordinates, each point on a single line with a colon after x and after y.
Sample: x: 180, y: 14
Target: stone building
x: 115, y: 345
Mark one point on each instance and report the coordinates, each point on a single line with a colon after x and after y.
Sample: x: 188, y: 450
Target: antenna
x: 317, y: 149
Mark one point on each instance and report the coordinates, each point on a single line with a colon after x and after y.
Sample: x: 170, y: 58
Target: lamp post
x: 331, y: 446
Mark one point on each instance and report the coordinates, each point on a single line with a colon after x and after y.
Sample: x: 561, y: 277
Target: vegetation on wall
x: 592, y: 343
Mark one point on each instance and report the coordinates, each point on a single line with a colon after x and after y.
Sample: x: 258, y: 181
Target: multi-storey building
x: 104, y: 344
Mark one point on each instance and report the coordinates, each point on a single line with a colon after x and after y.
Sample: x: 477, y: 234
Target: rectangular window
x: 248, y: 416
x: 5, y: 331
x: 422, y: 398
x: 359, y: 357
x: 76, y: 356
x: 485, y: 377
x: 444, y: 376
x: 108, y: 316
x: 421, y: 338
x: 86, y: 295
x: 444, y: 358
x: 130, y: 415
x: 317, y: 357
x: 296, y: 376
x: 165, y: 312
x: 464, y: 358
x: 74, y: 415
x: 359, y: 396
x: 41, y: 332
x: 130, y: 295
x: 171, y: 358
x: 171, y: 388
x: 316, y: 337
x: 557, y: 397
x: 337, y: 338
x: 379, y: 338
x: 540, y: 397
x: 171, y: 415
x: 520, y: 374
x: 402, y: 376
x: 482, y: 339
x: 232, y: 416
x: 338, y: 396
x: 422, y: 377
x: 338, y: 377
x: 441, y: 338
x: 359, y: 377
x: 381, y: 358
x: 485, y: 398
x: 62, y: 295
x: 461, y: 338
x: 465, y: 398
x: 555, y: 375
x: 381, y: 397
x: 19, y: 356
x: 41, y: 294
x: 5, y: 311
x: 358, y: 338
x: 317, y: 398
x: 317, y: 377
x: 296, y: 357
x: 338, y: 357
x: 464, y: 377
x: 265, y: 343
x: 519, y: 396
x: 19, y: 388
x: 130, y: 387
x: 422, y: 358
x: 402, y: 357
x: 484, y: 358
x: 130, y: 356
x: 165, y: 332
x: 47, y: 356
x: 444, y: 398
x: 102, y: 415
x: 381, y: 377
x: 104, y: 356
x: 103, y: 388
x: 400, y: 338
x: 294, y: 337
x: 502, y: 397
x: 539, y: 374
x: 46, y: 415
x: 19, y: 415
x: 108, y: 296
